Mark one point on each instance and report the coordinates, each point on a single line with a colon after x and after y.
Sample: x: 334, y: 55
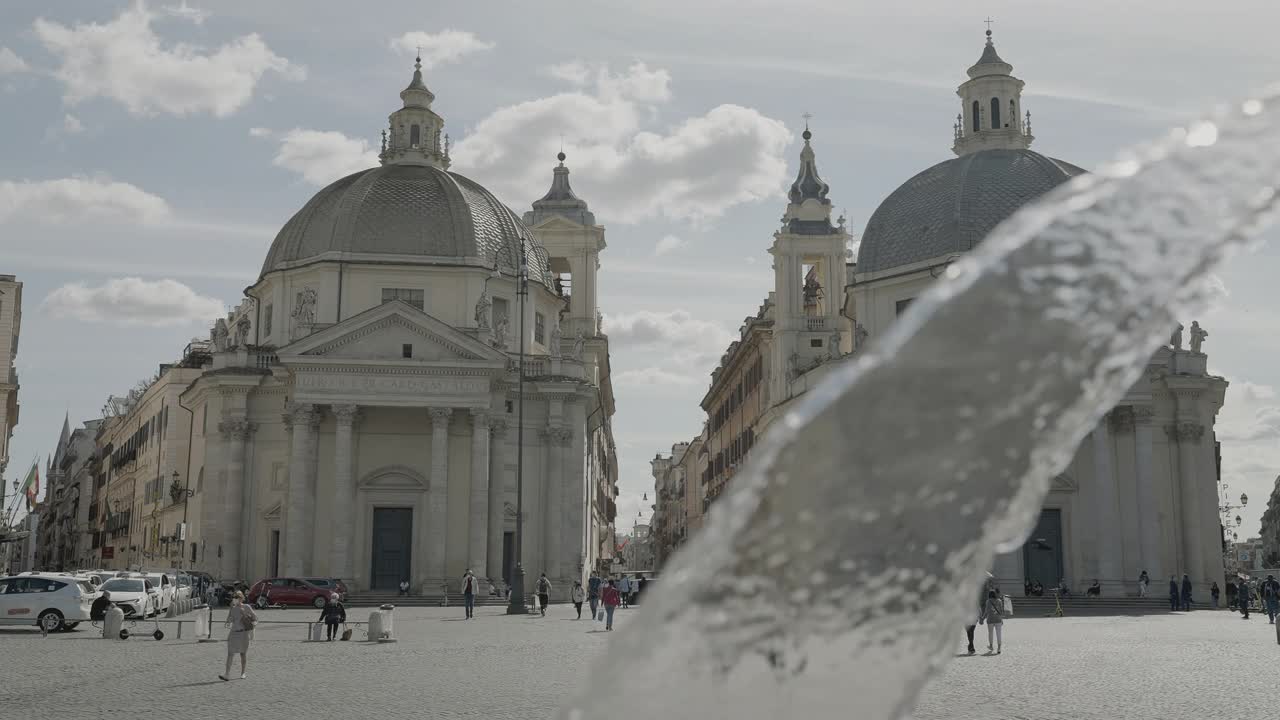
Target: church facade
x: 1141, y: 491
x: 361, y: 412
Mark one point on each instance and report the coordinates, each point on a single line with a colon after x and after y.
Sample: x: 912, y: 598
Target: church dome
x: 951, y: 206
x: 406, y: 211
x: 411, y: 210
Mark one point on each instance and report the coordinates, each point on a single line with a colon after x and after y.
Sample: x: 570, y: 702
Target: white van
x: 52, y: 601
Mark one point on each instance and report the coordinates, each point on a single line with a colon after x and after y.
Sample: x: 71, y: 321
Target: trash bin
x: 202, y: 625
x: 388, y: 629
x: 111, y: 622
x: 315, y: 632
x: 375, y: 625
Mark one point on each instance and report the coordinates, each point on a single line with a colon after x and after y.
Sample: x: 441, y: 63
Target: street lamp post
x: 1225, y: 509
x: 515, y: 603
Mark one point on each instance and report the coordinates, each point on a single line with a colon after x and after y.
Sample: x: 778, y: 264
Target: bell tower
x: 416, y: 135
x: 991, y: 115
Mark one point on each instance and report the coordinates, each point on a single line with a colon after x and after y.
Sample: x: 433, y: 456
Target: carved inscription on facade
x: 384, y: 385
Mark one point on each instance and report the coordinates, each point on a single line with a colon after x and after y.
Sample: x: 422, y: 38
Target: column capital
x: 1188, y: 432
x: 1122, y: 420
x: 236, y: 428
x: 498, y: 426
x: 1143, y: 414
x: 480, y: 416
x: 346, y: 415
x: 440, y: 414
x: 301, y: 413
x: 557, y: 435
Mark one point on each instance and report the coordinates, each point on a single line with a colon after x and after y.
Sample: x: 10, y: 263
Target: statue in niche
x: 793, y: 366
x: 500, y: 333
x: 242, y: 332
x: 482, y: 310
x: 220, y: 336
x: 833, y: 344
x: 579, y: 344
x: 555, y: 338
x: 860, y: 336
x: 1198, y: 334
x: 304, y: 307
x: 1176, y: 340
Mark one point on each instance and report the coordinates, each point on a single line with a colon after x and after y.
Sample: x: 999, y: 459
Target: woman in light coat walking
x: 241, y: 619
x: 577, y: 596
x: 993, y: 616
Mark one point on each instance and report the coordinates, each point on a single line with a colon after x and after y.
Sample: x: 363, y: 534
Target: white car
x: 136, y: 596
x: 164, y: 584
x: 51, y: 601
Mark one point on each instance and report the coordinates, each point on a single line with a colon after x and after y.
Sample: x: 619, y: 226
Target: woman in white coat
x: 241, y: 620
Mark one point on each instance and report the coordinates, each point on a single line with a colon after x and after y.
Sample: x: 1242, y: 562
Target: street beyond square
x: 1166, y: 666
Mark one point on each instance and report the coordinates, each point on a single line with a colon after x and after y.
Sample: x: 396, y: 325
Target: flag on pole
x: 31, y: 486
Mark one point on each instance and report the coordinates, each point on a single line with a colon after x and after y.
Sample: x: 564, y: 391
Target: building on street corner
x: 10, y: 328
x: 1140, y: 492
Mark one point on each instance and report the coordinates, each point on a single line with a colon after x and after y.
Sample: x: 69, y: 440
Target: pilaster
x: 479, y: 514
x: 438, y: 496
x: 340, y: 559
x: 304, y: 420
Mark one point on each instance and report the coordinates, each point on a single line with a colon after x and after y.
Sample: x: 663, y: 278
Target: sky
x: 152, y: 151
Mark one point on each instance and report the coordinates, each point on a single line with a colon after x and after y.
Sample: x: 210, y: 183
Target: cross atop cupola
x: 416, y: 135
x: 991, y: 106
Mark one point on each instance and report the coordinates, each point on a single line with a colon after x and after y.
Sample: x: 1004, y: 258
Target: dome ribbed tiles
x: 405, y: 210
x: 951, y: 206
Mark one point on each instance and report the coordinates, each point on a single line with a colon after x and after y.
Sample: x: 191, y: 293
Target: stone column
x: 1188, y: 435
x: 478, y: 534
x: 1148, y: 505
x: 557, y: 438
x: 1110, y: 546
x: 438, y: 497
x: 497, y: 496
x: 297, y: 520
x: 234, y: 431
x: 342, y: 522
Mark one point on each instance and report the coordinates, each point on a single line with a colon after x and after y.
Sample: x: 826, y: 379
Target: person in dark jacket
x: 1243, y: 596
x: 1173, y: 593
x: 972, y: 623
x: 1270, y: 593
x: 1215, y: 593
x: 333, y: 614
x: 100, y: 606
x: 1186, y: 592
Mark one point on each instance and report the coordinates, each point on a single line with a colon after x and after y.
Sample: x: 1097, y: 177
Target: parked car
x: 330, y: 584
x: 288, y: 591
x: 134, y: 595
x: 51, y: 601
x: 164, y: 584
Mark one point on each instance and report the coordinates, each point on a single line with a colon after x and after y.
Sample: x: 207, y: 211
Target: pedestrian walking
x: 1143, y: 581
x: 241, y: 620
x: 612, y: 598
x: 543, y: 589
x: 1231, y: 594
x: 594, y: 583
x: 576, y: 596
x: 644, y: 581
x: 624, y: 589
x: 1243, y: 595
x: 1214, y: 593
x: 1271, y: 596
x: 972, y: 625
x: 1186, y: 593
x: 993, y: 616
x: 1173, y: 593
x: 332, y: 614
x: 470, y: 586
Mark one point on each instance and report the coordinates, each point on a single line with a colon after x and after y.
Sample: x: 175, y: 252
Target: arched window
x: 1013, y: 113
x: 977, y: 116
x: 415, y: 135
x: 995, y: 113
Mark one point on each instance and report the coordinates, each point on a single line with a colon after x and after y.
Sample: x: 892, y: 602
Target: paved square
x: 1204, y: 665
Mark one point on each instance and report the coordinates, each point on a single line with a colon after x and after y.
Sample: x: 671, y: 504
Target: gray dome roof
x: 406, y: 210
x: 951, y: 206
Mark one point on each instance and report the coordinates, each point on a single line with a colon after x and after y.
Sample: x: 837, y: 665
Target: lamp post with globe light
x: 1230, y: 533
x: 515, y: 605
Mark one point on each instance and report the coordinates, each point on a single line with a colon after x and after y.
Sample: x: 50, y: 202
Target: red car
x: 287, y: 591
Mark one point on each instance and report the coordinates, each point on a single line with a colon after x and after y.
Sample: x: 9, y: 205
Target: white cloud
x: 674, y: 329
x: 125, y: 61
x: 651, y: 377
x: 695, y: 170
x: 186, y: 12
x: 446, y: 46
x: 79, y: 199
x: 667, y: 244
x: 133, y: 301
x: 11, y: 63
x: 71, y: 124
x: 320, y: 156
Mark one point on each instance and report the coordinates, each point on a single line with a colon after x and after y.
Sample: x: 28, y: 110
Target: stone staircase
x: 1079, y: 605
x: 374, y: 599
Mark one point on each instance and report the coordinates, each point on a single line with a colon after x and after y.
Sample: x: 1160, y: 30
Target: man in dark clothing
x: 1173, y: 593
x: 1186, y: 593
x: 98, y: 610
x: 973, y: 619
x: 594, y: 585
x: 1271, y: 596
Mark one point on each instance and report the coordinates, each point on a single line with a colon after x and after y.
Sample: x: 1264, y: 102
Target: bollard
x: 172, y: 610
x: 111, y: 623
x: 202, y: 625
x: 375, y: 625
x: 208, y: 626
x: 387, y: 626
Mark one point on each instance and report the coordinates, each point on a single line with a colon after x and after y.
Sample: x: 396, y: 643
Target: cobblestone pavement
x: 497, y: 667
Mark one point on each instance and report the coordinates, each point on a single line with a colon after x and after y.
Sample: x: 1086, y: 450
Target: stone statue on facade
x: 1198, y: 334
x: 482, y: 310
x: 579, y: 344
x: 500, y: 333
x: 833, y: 344
x: 860, y: 336
x: 1176, y: 340
x: 555, y: 338
x: 304, y: 307
x: 793, y: 366
x: 220, y: 337
x: 242, y: 332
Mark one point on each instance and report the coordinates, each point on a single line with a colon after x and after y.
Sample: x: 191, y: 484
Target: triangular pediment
x: 394, y: 477
x: 272, y: 513
x: 382, y: 333
x: 558, y: 222
x: 1062, y: 483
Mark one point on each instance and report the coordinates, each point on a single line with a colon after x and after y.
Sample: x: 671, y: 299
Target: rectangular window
x: 901, y: 306
x: 815, y: 342
x: 266, y: 320
x: 540, y: 328
x: 407, y: 295
x: 406, y: 350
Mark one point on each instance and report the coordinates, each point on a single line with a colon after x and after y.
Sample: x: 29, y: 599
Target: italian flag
x: 31, y: 486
